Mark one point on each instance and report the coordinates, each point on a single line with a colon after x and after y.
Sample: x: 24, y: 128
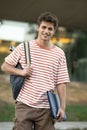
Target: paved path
x: 59, y: 126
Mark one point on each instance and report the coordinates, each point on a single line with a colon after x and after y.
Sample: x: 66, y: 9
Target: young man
x: 48, y: 71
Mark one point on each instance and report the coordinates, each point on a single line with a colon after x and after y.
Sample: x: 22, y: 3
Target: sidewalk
x: 59, y: 126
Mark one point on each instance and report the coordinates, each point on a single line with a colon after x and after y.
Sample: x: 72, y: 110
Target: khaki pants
x: 26, y: 116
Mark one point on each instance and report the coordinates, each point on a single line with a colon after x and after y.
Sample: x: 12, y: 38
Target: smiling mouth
x: 46, y: 35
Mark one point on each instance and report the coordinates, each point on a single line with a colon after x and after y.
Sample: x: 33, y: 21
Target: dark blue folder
x: 54, y: 104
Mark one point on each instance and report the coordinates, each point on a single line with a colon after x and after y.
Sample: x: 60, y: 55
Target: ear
x: 53, y: 32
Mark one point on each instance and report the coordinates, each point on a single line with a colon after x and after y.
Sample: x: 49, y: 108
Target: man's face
x: 45, y: 31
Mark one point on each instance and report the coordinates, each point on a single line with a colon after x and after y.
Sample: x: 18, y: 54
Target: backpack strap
x: 27, y: 53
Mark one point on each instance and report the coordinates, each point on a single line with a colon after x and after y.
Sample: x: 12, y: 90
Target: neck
x: 44, y: 44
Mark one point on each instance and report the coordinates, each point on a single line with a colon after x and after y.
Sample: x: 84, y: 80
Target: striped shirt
x: 49, y: 70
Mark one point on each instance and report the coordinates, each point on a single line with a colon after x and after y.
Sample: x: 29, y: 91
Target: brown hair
x: 48, y: 17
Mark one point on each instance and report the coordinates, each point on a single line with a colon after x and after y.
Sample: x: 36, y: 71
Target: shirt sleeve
x: 14, y: 57
x: 62, y: 75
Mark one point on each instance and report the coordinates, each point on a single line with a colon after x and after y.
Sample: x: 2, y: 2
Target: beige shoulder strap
x: 27, y: 53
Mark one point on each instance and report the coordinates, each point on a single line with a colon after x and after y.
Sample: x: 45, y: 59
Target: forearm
x: 27, y: 71
x: 61, y: 89
x: 11, y: 69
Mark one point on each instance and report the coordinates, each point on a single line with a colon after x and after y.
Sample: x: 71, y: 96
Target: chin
x: 45, y: 39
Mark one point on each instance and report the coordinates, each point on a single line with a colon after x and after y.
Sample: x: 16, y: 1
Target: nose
x: 46, y: 30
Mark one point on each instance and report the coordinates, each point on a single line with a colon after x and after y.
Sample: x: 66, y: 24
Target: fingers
x: 60, y: 115
x: 60, y: 118
x: 27, y: 71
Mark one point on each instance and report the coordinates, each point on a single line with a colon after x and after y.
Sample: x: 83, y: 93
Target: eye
x: 43, y: 27
x: 50, y: 29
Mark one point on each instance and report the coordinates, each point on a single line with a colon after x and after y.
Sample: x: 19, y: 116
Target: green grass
x: 73, y: 112
x: 76, y: 113
x: 7, y: 112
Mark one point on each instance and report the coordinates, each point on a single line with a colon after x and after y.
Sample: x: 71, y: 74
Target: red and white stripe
x: 49, y: 70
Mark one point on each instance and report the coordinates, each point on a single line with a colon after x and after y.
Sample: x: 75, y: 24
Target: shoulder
x: 58, y: 50
x: 20, y: 46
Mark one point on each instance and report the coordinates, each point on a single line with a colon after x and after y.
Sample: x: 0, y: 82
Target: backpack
x: 17, y: 81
